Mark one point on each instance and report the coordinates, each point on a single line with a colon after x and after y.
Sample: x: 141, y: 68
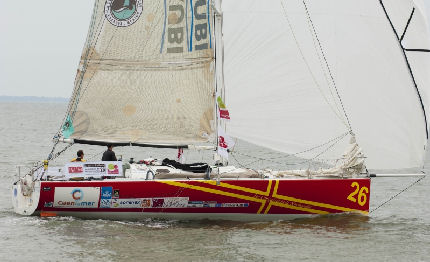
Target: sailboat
x: 338, y: 88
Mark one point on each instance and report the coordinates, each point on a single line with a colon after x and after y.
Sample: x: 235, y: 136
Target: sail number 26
x: 362, y: 194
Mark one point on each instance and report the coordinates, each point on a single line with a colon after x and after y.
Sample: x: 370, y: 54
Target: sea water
x: 398, y: 231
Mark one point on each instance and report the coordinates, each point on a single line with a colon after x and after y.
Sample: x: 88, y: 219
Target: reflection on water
x: 169, y: 240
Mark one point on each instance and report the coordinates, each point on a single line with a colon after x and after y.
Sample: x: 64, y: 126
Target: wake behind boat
x: 339, y: 88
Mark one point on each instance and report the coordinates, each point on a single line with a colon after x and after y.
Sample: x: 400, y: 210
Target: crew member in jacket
x: 109, y: 155
x: 80, y: 157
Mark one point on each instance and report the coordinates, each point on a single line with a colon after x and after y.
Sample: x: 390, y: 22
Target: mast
x: 219, y: 48
x: 219, y: 65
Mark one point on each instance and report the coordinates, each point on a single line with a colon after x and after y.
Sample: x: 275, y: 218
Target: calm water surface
x: 399, y: 231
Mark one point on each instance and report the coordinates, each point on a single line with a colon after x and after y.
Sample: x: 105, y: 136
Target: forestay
x: 281, y: 58
x: 146, y: 74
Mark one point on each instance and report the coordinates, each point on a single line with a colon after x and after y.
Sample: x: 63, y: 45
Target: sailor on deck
x: 109, y: 155
x: 80, y: 157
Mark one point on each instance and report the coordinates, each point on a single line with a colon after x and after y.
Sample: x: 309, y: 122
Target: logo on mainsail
x: 123, y: 13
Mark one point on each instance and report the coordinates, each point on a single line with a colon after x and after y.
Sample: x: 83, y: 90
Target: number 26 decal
x: 362, y: 194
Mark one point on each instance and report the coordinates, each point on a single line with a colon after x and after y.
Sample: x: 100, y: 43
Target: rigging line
x: 391, y: 198
x: 87, y: 59
x: 89, y: 36
x: 335, y: 110
x: 407, y: 24
x: 326, y: 62
x: 417, y: 50
x: 408, y: 65
x: 93, y: 156
x: 239, y: 163
x: 326, y: 143
x: 60, y: 152
x: 72, y: 99
x: 324, y: 70
x: 97, y: 64
x: 52, y: 150
x: 334, y: 142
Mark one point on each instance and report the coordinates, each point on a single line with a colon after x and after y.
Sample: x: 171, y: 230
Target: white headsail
x: 300, y: 74
x: 146, y: 74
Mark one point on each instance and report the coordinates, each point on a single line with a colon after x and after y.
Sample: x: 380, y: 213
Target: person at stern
x: 80, y: 157
x: 109, y: 155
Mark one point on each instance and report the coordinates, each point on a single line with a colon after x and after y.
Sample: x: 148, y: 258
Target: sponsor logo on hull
x: 106, y: 197
x: 48, y: 204
x: 126, y: 203
x: 73, y: 197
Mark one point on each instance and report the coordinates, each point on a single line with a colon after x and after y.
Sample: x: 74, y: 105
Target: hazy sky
x: 41, y: 43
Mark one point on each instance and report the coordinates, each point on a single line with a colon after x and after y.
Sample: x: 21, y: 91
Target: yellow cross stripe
x: 217, y: 192
x: 244, y: 189
x: 317, y: 204
x: 279, y: 204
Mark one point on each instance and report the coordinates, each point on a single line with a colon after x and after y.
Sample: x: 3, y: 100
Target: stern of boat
x: 25, y: 196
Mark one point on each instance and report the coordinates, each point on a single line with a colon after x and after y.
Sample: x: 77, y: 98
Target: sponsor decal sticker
x: 113, y: 169
x: 105, y: 203
x: 157, y: 202
x: 122, y: 13
x: 106, y: 197
x: 77, y: 194
x: 72, y: 197
x: 46, y: 188
x: 115, y: 193
x: 146, y: 203
x: 48, y: 204
x: 75, y: 169
x: 195, y: 204
x: 127, y: 203
x: 167, y: 202
x: 106, y: 193
x: 234, y: 204
x: 94, y: 168
x: 175, y: 202
x: 209, y: 204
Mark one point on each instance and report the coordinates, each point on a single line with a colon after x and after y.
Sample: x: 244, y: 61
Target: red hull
x: 240, y: 197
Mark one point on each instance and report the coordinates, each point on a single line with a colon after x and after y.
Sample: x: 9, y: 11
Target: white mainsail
x: 281, y: 56
x: 146, y: 74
